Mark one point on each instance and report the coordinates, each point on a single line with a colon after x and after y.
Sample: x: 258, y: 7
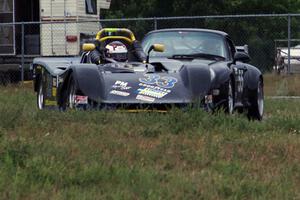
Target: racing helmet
x: 117, y: 51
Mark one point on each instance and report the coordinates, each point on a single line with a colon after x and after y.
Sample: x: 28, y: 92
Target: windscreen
x: 186, y: 43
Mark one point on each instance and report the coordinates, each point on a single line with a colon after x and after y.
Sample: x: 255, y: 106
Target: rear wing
x: 242, y: 49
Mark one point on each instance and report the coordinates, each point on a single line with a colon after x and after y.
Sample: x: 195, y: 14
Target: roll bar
x: 115, y: 33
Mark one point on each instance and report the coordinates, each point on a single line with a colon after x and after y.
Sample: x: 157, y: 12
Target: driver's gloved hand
x: 95, y: 57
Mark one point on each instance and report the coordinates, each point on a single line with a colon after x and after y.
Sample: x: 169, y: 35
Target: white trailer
x: 64, y: 23
x: 59, y: 27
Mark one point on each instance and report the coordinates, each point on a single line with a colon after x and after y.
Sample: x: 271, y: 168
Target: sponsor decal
x: 120, y: 93
x: 50, y: 103
x: 121, y: 85
x: 54, y: 92
x: 54, y: 82
x: 154, y: 87
x: 152, y: 91
x: 81, y: 100
x: 145, y: 98
x: 155, y: 79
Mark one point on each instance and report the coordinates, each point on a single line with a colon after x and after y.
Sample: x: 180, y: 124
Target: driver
x: 117, y: 51
x: 113, y: 52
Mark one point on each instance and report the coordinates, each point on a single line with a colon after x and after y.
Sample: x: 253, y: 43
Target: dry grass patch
x: 282, y: 85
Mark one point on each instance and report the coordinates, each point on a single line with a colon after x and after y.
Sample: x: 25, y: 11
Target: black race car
x: 184, y: 75
x: 216, y: 71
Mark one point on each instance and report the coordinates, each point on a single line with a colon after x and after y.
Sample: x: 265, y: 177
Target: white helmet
x: 117, y: 51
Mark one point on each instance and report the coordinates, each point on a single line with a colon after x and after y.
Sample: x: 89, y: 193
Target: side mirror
x: 157, y: 48
x: 88, y: 47
x: 242, y: 57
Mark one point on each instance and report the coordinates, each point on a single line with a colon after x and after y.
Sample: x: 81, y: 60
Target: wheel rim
x: 230, y: 98
x: 260, y: 100
x: 41, y: 98
x: 72, y: 97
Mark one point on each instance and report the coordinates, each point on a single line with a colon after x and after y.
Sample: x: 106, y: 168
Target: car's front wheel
x: 70, y: 100
x: 256, y: 100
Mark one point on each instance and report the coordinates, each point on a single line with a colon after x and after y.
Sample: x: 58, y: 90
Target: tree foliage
x: 164, y: 8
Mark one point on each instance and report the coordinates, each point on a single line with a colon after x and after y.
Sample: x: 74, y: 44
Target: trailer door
x: 7, y: 31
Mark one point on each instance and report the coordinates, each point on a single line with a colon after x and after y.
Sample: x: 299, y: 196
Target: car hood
x: 174, y: 65
x: 128, y: 88
x: 190, y: 83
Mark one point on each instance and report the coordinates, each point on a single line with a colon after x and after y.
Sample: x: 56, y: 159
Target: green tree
x: 159, y: 8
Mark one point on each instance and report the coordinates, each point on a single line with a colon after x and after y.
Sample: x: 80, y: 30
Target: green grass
x: 178, y: 155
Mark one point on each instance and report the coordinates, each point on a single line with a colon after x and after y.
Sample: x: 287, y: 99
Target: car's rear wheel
x: 229, y: 98
x: 256, y: 100
x: 40, y: 97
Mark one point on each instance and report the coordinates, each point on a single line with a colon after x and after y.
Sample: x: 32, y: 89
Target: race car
x: 115, y: 73
x: 214, y: 68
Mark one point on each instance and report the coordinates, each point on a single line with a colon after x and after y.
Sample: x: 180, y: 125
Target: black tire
x: 229, y: 98
x: 69, y: 102
x: 40, y: 96
x: 256, y: 100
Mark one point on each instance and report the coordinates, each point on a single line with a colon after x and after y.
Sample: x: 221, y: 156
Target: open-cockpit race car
x: 115, y: 73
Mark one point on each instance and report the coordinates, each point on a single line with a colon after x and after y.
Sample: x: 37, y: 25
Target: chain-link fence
x: 266, y: 35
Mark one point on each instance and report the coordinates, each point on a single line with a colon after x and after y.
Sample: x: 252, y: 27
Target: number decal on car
x: 154, y: 79
x: 150, y: 79
x: 167, y: 82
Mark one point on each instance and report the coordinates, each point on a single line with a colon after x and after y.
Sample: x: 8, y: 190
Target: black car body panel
x: 163, y: 81
x: 97, y: 83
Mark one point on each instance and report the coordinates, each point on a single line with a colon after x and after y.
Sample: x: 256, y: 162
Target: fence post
x: 22, y: 52
x: 155, y: 23
x: 289, y: 44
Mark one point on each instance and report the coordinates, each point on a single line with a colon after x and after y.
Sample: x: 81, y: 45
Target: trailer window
x: 91, y: 7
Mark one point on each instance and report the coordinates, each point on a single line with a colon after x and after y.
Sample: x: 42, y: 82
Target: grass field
x: 178, y: 155
x: 284, y: 85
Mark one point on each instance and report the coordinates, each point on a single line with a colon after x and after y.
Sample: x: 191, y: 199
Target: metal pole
x: 289, y: 44
x: 51, y: 24
x: 22, y: 52
x: 155, y: 23
x: 65, y: 27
